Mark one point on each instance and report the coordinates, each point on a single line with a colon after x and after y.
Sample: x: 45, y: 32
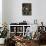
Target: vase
x: 2, y: 40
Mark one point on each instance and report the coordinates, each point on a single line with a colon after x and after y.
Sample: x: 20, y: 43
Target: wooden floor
x: 34, y: 44
x: 42, y: 45
x: 1, y: 45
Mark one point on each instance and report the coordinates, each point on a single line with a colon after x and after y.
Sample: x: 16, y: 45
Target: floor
x: 1, y: 45
x: 33, y: 45
x: 36, y: 44
x: 42, y: 45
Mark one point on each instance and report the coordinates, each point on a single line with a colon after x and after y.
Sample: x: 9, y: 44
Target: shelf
x: 19, y: 25
x: 12, y: 32
x: 19, y: 32
x: 16, y: 32
x: 17, y: 28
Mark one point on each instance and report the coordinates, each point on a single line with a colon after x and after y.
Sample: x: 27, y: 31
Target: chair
x: 9, y: 42
x: 42, y: 37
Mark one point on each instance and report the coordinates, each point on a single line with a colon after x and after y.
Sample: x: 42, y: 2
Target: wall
x: 16, y: 13
x: 13, y: 11
x: 5, y: 14
x: 0, y: 13
x: 4, y: 11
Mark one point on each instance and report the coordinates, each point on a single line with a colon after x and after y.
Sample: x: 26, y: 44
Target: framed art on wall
x: 26, y: 8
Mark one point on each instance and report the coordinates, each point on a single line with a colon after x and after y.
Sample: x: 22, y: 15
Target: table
x: 26, y: 42
x: 13, y: 29
x: 23, y: 42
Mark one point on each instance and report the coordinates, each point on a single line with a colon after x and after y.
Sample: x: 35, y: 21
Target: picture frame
x: 27, y: 8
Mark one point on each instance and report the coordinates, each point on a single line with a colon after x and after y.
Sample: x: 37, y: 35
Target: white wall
x: 16, y: 11
x: 4, y: 11
x: 5, y: 14
x: 0, y: 13
x: 13, y: 11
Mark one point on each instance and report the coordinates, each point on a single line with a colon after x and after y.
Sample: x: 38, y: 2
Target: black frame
x: 26, y: 8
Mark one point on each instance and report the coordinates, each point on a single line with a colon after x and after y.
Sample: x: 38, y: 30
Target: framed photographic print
x: 26, y: 8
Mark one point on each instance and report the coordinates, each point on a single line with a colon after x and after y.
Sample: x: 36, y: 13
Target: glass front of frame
x: 27, y: 9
